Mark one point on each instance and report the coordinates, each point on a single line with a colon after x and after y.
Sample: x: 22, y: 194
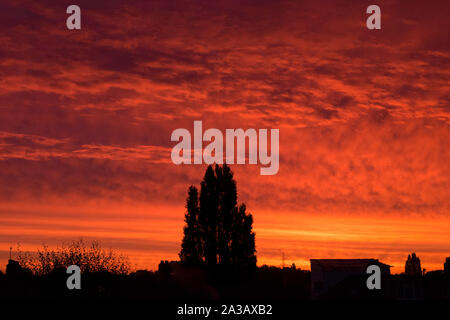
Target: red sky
x: 86, y: 118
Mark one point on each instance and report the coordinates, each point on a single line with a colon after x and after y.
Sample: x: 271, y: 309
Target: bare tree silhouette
x: 90, y: 258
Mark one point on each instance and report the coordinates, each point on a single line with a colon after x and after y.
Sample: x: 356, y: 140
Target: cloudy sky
x: 86, y: 117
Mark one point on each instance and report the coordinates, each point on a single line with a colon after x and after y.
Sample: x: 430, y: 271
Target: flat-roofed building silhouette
x: 328, y: 273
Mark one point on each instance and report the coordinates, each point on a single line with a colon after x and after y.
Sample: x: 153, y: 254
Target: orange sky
x: 86, y: 118
x: 148, y: 234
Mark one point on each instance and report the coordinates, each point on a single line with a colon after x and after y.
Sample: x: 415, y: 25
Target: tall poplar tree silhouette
x: 217, y: 231
x: 208, y: 216
x: 227, y: 192
x: 192, y: 245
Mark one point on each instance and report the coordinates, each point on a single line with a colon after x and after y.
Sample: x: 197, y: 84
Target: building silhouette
x: 327, y: 274
x: 447, y: 266
x: 13, y: 268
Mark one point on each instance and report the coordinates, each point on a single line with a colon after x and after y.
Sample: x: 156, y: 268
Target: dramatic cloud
x: 86, y: 116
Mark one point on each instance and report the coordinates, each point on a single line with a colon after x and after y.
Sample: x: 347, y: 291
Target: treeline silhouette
x: 217, y: 262
x: 217, y: 259
x: 106, y: 275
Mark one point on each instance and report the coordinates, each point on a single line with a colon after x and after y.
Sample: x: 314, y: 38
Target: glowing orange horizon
x: 148, y: 238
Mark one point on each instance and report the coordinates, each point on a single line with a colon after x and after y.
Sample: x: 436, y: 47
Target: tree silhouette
x: 243, y: 239
x: 191, y: 247
x: 412, y: 265
x: 90, y: 258
x: 209, y: 201
x: 227, y: 204
x: 217, y: 231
